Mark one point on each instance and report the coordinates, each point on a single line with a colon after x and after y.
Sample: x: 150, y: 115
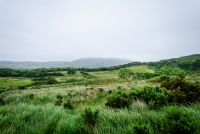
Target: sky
x: 65, y: 30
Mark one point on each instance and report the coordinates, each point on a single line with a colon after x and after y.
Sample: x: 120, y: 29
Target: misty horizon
x: 88, y: 58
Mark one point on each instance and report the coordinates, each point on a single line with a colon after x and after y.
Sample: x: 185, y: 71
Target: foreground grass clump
x: 68, y: 104
x: 24, y: 118
x: 90, y: 116
x: 2, y: 102
x: 142, y: 128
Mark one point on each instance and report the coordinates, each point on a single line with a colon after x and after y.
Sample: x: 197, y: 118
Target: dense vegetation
x: 136, y: 99
x: 188, y: 63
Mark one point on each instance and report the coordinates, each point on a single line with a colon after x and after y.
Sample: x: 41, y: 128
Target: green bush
x: 22, y: 87
x: 90, y: 116
x: 167, y: 70
x: 118, y: 99
x: 59, y: 101
x: 31, y: 96
x: 73, y: 80
x: 68, y: 104
x: 71, y: 71
x: 51, y: 80
x: 177, y: 121
x: 125, y: 73
x: 59, y: 97
x: 181, y: 91
x: 141, y: 128
x: 135, y: 93
x: 44, y: 80
x: 163, y: 78
x: 154, y: 97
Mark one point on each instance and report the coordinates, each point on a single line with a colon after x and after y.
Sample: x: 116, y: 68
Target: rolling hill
x: 85, y: 62
x: 99, y: 62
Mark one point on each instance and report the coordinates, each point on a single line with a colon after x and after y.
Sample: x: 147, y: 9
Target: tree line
x: 189, y: 66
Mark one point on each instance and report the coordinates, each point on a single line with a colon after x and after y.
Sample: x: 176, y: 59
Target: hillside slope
x: 185, y: 62
x: 189, y: 58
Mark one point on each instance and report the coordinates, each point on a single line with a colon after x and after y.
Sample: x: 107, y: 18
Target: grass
x: 14, y: 82
x: 141, y: 69
x: 33, y: 110
x: 26, y: 118
x: 106, y: 74
x: 193, y: 78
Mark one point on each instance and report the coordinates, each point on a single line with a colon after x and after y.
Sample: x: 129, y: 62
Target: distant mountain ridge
x: 97, y: 62
x: 85, y: 62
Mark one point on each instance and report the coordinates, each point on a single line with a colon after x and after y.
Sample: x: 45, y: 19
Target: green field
x: 13, y: 82
x: 78, y: 103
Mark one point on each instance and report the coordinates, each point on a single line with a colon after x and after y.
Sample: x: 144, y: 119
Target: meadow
x: 101, y: 102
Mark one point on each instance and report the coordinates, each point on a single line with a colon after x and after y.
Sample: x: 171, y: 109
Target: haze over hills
x: 89, y: 62
x: 85, y: 62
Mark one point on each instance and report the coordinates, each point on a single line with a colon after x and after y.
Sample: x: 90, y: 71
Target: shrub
x: 21, y: 87
x: 44, y: 80
x: 136, y: 93
x: 166, y: 70
x: 181, y: 91
x: 71, y: 71
x: 59, y: 97
x: 118, y: 99
x: 125, y: 73
x: 101, y: 89
x: 51, y: 80
x: 68, y: 104
x: 86, y: 75
x: 154, y: 97
x: 141, y: 128
x: 178, y: 121
x: 73, y: 80
x: 59, y: 101
x: 90, y: 116
x: 163, y: 78
x: 31, y: 96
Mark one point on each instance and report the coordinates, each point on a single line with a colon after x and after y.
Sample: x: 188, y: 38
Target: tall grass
x: 26, y: 118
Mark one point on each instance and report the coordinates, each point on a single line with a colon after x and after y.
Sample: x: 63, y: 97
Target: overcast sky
x: 62, y: 30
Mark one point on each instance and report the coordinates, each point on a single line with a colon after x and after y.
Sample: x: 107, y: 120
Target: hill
x: 186, y: 62
x: 189, y: 58
x: 85, y: 62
